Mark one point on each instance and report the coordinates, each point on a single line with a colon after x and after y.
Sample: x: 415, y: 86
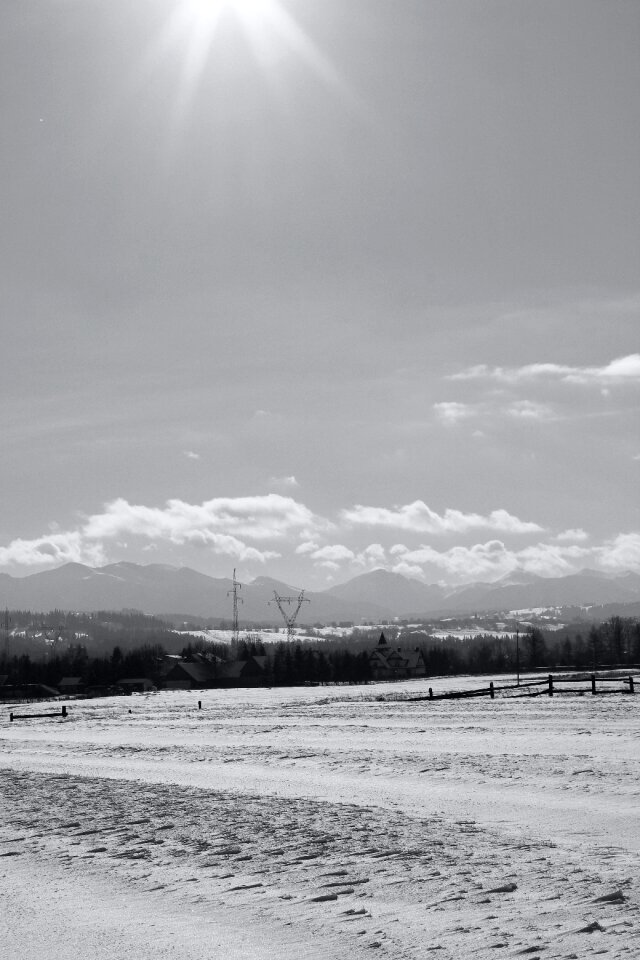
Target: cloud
x: 487, y: 561
x: 256, y: 518
x: 530, y: 410
x: 419, y: 518
x: 222, y: 525
x: 332, y: 556
x: 451, y: 412
x: 191, y: 455
x: 491, y: 560
x: 573, y: 536
x: 309, y: 546
x: 622, y: 553
x: 51, y: 550
x: 621, y: 370
x: 286, y: 483
x: 483, y: 561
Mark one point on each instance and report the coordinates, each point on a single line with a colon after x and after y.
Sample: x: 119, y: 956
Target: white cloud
x: 372, y: 556
x: 622, y: 553
x: 221, y: 525
x: 51, y: 550
x: 309, y: 546
x: 573, y: 536
x: 334, y: 553
x: 483, y: 561
x: 492, y: 560
x: 286, y: 483
x: 191, y: 455
x: 451, y: 412
x: 621, y: 370
x: 530, y: 410
x: 419, y: 518
x: 256, y: 518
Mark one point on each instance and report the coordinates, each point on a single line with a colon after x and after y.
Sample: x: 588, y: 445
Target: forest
x: 103, y: 647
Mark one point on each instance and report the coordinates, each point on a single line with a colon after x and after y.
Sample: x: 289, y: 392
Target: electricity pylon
x: 7, y: 621
x: 288, y: 615
x: 236, y: 600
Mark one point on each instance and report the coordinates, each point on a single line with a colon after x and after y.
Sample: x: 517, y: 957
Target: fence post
x: 631, y: 689
x: 64, y: 710
x: 550, y: 685
x: 593, y: 683
x: 199, y: 704
x: 11, y: 718
x: 491, y: 690
x: 430, y: 694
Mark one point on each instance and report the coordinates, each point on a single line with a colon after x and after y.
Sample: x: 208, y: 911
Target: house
x: 137, y: 684
x: 190, y: 675
x: 200, y: 673
x: 71, y: 686
x: 242, y: 673
x: 394, y: 663
x: 27, y: 691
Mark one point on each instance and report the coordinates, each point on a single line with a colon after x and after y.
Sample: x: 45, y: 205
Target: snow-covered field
x: 322, y: 823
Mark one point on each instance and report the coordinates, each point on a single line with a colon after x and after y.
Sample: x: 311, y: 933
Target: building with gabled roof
x: 393, y: 663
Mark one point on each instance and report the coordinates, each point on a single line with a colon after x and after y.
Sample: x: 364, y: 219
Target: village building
x: 190, y: 675
x: 137, y: 684
x: 387, y: 662
x: 71, y: 686
x: 201, y: 673
x: 243, y: 673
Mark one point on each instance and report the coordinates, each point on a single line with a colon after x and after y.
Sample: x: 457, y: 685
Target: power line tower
x: 290, y: 613
x: 236, y: 600
x: 5, y: 625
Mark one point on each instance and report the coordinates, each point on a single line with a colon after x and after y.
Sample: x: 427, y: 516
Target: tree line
x: 103, y: 648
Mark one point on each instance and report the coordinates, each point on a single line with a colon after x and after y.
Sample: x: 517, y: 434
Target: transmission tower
x: 236, y: 600
x: 290, y: 612
x: 6, y: 622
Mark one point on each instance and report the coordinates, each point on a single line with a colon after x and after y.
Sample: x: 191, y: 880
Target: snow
x: 323, y: 822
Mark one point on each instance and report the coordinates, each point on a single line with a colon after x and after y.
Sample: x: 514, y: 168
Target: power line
x: 289, y: 616
x: 236, y: 600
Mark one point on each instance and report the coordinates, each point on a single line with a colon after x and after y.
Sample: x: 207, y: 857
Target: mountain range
x: 378, y: 595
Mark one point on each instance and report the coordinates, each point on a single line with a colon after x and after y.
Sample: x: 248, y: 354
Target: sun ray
x: 195, y: 26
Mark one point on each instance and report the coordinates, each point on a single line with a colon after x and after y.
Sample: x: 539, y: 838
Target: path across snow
x: 323, y: 822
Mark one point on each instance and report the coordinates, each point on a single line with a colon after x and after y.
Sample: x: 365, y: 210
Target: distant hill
x: 161, y: 589
x: 401, y: 594
x: 411, y: 598
x: 379, y: 595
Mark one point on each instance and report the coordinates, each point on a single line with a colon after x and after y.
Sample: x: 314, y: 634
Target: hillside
x: 378, y: 595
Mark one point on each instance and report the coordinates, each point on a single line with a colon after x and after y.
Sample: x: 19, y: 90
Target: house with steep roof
x: 190, y: 675
x: 200, y: 674
x: 71, y: 686
x: 394, y: 663
x: 243, y: 673
x: 137, y: 684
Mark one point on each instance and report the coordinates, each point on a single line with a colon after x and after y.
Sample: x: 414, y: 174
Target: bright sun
x: 211, y: 10
x: 196, y: 26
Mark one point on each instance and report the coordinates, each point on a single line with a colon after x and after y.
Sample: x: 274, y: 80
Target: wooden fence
x: 549, y: 686
x: 61, y: 714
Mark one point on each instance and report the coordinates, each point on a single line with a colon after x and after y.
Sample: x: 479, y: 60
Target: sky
x: 311, y: 287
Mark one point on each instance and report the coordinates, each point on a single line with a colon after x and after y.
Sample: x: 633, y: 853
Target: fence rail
x: 535, y: 688
x: 37, y: 716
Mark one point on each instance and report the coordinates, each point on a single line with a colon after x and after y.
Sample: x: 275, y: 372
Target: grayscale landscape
x: 319, y: 401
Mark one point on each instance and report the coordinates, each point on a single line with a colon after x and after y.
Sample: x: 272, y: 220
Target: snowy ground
x: 322, y: 823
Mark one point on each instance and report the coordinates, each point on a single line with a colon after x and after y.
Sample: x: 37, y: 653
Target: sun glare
x: 197, y: 30
x: 210, y: 11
